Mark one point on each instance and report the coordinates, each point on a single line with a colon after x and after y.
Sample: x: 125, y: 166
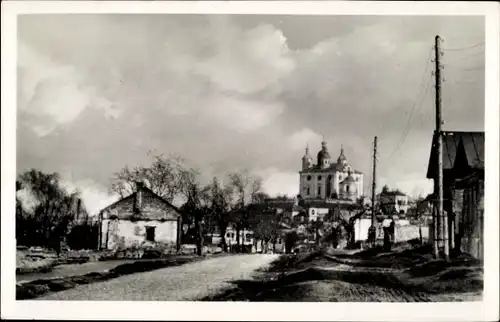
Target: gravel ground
x: 314, y: 277
x: 182, y: 283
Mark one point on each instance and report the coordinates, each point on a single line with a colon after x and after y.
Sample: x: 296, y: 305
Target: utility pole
x: 439, y: 146
x: 372, y: 232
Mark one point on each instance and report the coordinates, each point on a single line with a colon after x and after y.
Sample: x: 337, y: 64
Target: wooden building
x: 463, y: 188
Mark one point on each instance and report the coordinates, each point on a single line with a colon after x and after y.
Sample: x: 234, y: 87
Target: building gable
x: 150, y: 207
x: 473, y: 145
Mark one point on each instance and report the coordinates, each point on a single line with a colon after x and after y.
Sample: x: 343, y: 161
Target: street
x: 181, y: 283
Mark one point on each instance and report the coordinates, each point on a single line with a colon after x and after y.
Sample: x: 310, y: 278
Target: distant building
x: 139, y: 219
x: 328, y: 180
x: 463, y: 188
x: 394, y: 202
x: 246, y: 237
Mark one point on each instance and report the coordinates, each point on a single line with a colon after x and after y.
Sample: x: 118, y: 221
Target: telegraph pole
x: 372, y: 231
x: 439, y: 147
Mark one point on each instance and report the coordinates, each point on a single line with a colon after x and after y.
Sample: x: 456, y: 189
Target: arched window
x: 308, y: 178
x: 319, y: 177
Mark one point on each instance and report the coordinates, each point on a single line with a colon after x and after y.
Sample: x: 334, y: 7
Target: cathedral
x: 328, y: 180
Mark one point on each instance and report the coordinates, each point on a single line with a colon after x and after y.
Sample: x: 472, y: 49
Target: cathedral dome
x: 342, y: 159
x: 349, y: 179
x: 323, y: 155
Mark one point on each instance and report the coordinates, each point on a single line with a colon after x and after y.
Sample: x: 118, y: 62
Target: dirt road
x: 187, y: 282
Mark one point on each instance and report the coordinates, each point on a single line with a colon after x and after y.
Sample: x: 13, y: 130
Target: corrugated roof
x: 473, y: 144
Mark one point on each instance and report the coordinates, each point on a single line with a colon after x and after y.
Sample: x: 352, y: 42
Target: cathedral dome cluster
x: 327, y: 180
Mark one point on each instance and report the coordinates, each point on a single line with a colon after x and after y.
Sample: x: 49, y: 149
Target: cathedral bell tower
x: 307, y: 161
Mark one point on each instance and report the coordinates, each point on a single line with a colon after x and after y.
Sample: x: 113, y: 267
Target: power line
x: 417, y: 101
x: 408, y: 125
x: 465, y: 48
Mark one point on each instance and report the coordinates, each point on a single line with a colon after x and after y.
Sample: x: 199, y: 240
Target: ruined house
x: 141, y: 219
x: 463, y: 188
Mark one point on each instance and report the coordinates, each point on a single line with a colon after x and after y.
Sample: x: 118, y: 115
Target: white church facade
x: 329, y: 180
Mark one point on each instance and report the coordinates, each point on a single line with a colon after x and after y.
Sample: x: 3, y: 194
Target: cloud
x: 244, y: 115
x: 300, y: 139
x: 52, y: 94
x: 246, y: 61
x: 96, y: 92
x: 279, y: 183
x: 93, y: 195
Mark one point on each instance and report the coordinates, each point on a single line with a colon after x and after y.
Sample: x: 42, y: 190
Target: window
x: 308, y: 178
x: 319, y: 190
x: 347, y: 188
x: 150, y: 234
x: 308, y: 190
x: 319, y: 177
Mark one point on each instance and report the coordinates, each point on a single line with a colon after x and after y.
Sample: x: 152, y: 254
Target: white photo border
x: 486, y: 310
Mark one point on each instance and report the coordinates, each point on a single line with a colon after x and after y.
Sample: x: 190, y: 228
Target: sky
x: 226, y: 93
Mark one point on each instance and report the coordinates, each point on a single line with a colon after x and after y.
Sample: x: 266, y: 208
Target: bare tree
x: 220, y: 206
x: 197, y: 202
x: 164, y: 177
x: 265, y: 224
x: 245, y: 188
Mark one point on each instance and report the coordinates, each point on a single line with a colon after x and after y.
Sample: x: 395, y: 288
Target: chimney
x: 138, y: 196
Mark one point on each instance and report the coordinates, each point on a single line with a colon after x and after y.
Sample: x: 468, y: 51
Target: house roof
x: 472, y: 144
x: 133, y: 195
x: 332, y: 167
x: 328, y: 205
x: 391, y: 193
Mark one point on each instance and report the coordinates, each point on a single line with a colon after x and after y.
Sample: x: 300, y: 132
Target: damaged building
x: 140, y: 219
